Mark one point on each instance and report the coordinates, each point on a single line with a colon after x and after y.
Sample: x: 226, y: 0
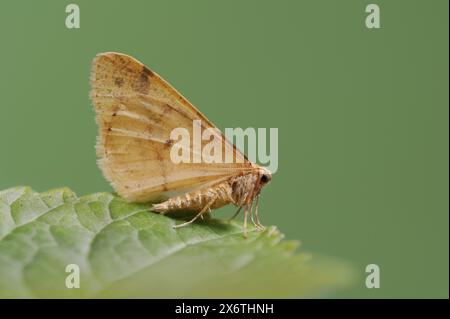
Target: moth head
x: 265, y: 176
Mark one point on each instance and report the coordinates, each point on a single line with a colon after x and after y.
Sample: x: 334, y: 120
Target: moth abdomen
x: 213, y: 197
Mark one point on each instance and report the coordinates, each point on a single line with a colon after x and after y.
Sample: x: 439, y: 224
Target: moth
x: 136, y: 111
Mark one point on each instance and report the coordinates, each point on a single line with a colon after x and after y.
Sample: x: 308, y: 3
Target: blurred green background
x: 362, y: 114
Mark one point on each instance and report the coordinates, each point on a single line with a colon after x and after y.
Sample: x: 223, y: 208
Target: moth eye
x: 264, y: 178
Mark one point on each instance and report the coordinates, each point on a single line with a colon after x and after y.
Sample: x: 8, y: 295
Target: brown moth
x: 136, y: 111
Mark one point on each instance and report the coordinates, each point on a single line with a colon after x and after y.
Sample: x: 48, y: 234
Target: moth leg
x: 206, y: 215
x: 235, y: 214
x: 260, y: 226
x: 198, y: 215
x: 252, y: 215
x: 245, y: 221
x: 189, y: 222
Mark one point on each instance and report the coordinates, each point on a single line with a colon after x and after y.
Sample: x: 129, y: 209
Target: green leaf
x: 123, y: 250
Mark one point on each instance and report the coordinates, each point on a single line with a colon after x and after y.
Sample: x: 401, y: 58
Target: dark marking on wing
x: 118, y: 82
x: 169, y: 142
x: 142, y: 83
x: 147, y: 72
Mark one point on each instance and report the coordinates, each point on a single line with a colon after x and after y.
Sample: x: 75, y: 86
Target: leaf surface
x: 123, y: 250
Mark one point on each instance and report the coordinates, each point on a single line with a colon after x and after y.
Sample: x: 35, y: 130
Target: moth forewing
x: 136, y: 111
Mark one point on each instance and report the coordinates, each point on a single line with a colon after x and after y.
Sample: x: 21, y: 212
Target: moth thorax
x: 245, y: 188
